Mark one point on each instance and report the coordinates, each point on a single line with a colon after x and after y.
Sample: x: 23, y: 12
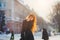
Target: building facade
x: 15, y: 13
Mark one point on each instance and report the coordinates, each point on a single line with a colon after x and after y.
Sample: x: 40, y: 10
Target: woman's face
x: 31, y: 18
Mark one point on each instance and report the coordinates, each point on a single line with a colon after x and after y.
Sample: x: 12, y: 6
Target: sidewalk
x: 50, y: 38
x: 17, y: 37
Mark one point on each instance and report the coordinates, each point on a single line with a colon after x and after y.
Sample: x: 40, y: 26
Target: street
x: 37, y: 36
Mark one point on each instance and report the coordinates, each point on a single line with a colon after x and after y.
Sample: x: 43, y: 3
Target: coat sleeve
x: 22, y: 36
x: 22, y: 31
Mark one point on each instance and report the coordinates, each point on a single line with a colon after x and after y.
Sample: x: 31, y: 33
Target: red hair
x: 34, y: 27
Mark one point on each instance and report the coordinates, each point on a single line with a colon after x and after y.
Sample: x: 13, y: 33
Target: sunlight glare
x: 41, y: 7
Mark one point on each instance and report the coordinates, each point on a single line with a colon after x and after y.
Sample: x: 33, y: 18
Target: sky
x: 41, y: 7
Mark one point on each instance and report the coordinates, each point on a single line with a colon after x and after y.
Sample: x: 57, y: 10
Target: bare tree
x: 56, y: 12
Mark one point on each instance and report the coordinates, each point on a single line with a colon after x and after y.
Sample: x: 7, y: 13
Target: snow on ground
x: 57, y: 37
x: 37, y: 36
x: 50, y: 38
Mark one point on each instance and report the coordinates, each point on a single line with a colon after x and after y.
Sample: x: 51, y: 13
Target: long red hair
x: 34, y: 27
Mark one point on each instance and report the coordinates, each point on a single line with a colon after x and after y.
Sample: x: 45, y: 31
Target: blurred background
x: 13, y: 12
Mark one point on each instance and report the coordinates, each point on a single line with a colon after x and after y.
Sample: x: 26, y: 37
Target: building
x: 15, y: 12
x: 2, y: 14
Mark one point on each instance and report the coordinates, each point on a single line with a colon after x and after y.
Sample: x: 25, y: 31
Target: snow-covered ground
x: 37, y: 36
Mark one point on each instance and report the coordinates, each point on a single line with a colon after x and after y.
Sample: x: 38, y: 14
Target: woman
x: 45, y: 34
x: 28, y: 28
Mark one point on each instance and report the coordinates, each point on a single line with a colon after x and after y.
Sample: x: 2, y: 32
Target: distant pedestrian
x: 28, y: 28
x: 12, y: 35
x: 45, y: 34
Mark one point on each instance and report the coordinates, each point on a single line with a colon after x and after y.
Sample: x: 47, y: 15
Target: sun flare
x: 41, y: 7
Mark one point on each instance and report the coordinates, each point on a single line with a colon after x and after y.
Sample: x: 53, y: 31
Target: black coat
x: 26, y: 33
x: 45, y: 35
x: 12, y: 36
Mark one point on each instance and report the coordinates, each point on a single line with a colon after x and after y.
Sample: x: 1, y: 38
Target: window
x: 2, y: 4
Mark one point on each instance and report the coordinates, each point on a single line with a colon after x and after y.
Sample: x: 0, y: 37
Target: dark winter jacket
x: 26, y: 33
x: 45, y: 34
x: 12, y: 36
